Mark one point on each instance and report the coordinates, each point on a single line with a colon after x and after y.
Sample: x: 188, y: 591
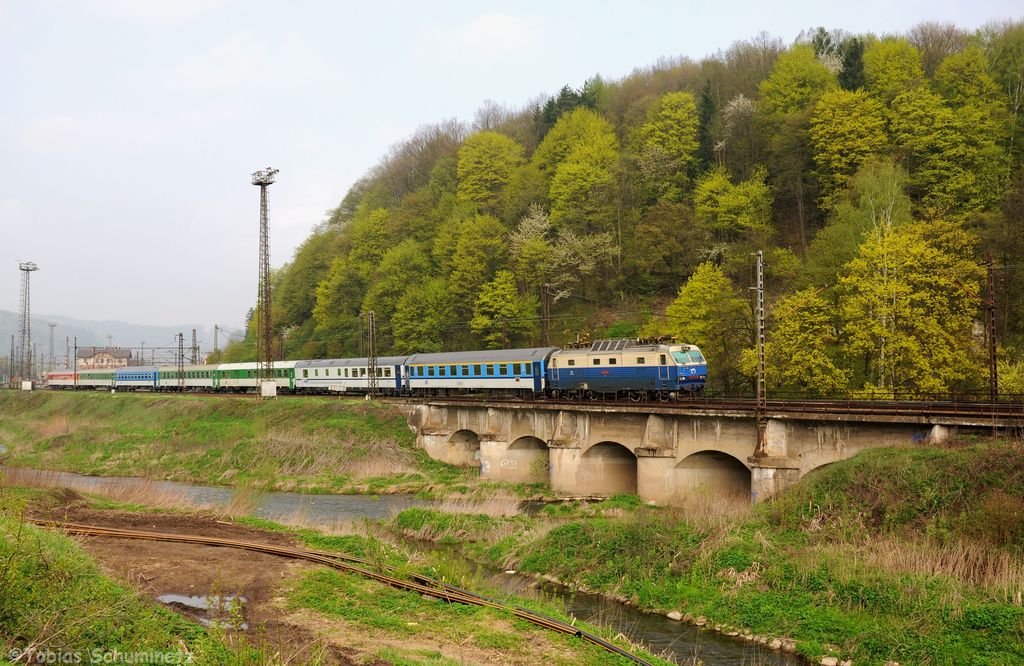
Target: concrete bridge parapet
x: 661, y: 454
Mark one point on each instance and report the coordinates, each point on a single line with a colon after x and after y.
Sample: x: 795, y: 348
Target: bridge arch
x: 714, y: 471
x: 464, y: 446
x: 607, y: 468
x: 526, y: 459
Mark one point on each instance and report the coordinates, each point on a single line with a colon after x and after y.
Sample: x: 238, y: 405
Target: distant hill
x: 91, y: 333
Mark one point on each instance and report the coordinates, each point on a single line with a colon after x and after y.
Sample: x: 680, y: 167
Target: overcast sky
x: 129, y: 129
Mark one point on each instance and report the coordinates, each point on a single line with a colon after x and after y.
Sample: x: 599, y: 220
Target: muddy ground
x: 188, y: 570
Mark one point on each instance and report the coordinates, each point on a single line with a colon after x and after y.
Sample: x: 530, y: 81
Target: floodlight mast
x: 25, y: 329
x: 264, y: 325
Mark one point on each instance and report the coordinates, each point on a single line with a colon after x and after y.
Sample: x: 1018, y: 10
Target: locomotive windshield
x: 686, y: 358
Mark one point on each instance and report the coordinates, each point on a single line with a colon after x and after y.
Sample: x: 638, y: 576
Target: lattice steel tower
x: 264, y: 325
x: 25, y: 330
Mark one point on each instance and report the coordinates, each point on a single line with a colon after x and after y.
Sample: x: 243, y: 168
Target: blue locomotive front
x: 627, y: 368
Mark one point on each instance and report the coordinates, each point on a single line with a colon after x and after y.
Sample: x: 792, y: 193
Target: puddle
x: 211, y: 610
x: 3, y: 449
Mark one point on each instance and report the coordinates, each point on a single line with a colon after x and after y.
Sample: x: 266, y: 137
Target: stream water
x: 681, y: 642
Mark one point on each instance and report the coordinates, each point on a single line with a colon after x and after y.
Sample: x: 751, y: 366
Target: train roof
x: 484, y: 356
x: 138, y: 368
x: 350, y: 362
x: 251, y: 365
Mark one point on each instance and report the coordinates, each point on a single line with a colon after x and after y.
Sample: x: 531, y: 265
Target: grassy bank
x: 56, y: 605
x: 912, y: 555
x: 303, y: 444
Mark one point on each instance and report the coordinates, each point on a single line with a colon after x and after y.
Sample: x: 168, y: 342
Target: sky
x: 129, y: 128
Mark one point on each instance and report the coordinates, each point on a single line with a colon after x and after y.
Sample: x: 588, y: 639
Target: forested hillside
x: 876, y: 174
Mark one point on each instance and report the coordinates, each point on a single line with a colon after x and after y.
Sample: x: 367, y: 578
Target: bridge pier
x: 770, y: 476
x: 656, y: 475
x: 525, y: 460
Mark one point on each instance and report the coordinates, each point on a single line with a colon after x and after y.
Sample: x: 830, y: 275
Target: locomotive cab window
x: 597, y: 361
x: 571, y: 361
x: 640, y: 360
x: 612, y: 361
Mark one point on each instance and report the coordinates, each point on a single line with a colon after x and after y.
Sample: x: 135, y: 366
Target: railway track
x: 1000, y: 410
x: 1006, y: 410
x: 381, y: 573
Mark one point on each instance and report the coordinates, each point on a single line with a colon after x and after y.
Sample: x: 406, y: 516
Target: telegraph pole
x: 181, y: 362
x: 993, y: 364
x: 216, y: 341
x: 264, y: 326
x: 762, y: 393
x: 67, y: 352
x: 50, y: 357
x: 371, y: 351
x: 545, y: 318
x: 10, y: 363
x: 25, y: 369
x: 75, y: 367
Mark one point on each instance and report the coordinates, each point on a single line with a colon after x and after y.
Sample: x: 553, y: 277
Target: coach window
x: 442, y: 371
x: 430, y: 371
x: 640, y: 360
x: 490, y: 370
x: 465, y: 371
x: 597, y: 361
x: 502, y: 369
x: 387, y: 372
x: 477, y: 371
x: 612, y: 361
x: 453, y: 370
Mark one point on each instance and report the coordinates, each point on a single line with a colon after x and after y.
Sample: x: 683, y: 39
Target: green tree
x: 876, y: 196
x: 486, y: 163
x: 669, y: 145
x: 708, y: 313
x: 580, y: 127
x: 479, y: 251
x: 847, y: 128
x: 423, y: 318
x: 582, y: 190
x: 796, y: 82
x: 954, y: 158
x: 892, y: 66
x: 404, y: 264
x: 801, y: 349
x: 296, y: 295
x: 503, y: 317
x: 908, y: 304
x: 730, y: 211
x: 338, y: 300
x: 963, y: 79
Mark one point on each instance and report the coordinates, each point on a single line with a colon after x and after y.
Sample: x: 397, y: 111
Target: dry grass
x: 980, y: 566
x: 55, y: 427
x: 146, y: 492
x: 710, y: 511
x: 297, y: 453
x: 496, y: 505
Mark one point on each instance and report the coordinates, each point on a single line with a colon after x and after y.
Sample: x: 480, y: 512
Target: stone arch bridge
x: 660, y: 452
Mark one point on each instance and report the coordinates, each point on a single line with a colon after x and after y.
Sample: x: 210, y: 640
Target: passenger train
x: 608, y: 368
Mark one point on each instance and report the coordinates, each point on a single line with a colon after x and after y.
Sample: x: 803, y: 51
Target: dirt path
x: 206, y: 573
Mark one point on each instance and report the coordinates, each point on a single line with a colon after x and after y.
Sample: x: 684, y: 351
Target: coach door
x: 537, y: 377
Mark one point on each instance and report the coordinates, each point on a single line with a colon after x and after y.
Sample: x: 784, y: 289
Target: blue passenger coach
x: 520, y: 371
x: 626, y: 367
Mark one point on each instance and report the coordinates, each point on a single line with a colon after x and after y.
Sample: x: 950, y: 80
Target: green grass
x: 55, y: 597
x: 914, y: 555
x: 305, y: 444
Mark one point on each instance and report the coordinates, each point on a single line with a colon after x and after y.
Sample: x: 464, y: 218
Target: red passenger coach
x: 65, y: 378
